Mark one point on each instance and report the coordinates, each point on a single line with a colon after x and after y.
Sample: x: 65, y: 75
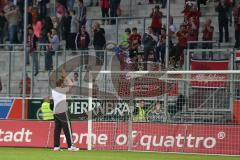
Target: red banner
x: 207, y: 80
x: 210, y: 139
x: 23, y: 133
x: 147, y: 87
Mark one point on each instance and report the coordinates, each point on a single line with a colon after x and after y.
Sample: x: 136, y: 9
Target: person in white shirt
x: 149, y: 43
x: 61, y: 115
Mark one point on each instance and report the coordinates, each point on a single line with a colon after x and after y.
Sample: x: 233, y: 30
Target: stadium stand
x: 93, y: 13
x: 133, y: 14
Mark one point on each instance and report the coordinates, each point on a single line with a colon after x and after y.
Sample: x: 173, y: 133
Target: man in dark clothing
x: 222, y: 21
x: 31, y: 48
x: 99, y: 42
x: 164, y: 3
x: 29, y: 16
x: 81, y: 13
x: 82, y: 41
x: 149, y: 42
x: 3, y: 21
x: 0, y: 85
x: 53, y: 47
x: 70, y: 4
x: 114, y: 4
x: 161, y: 47
x: 66, y: 27
x: 20, y: 4
x: 74, y: 28
x: 237, y: 25
x: 47, y: 25
x: 42, y: 7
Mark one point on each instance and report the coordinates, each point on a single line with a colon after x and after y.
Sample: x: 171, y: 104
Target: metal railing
x: 12, y: 68
x: 12, y: 65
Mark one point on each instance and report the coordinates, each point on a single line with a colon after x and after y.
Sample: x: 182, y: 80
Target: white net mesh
x: 166, y: 111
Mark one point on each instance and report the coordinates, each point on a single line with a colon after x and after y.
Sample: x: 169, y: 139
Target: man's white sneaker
x: 72, y: 148
x: 57, y: 149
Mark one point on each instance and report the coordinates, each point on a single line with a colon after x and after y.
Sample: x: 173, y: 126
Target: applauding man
x: 61, y: 115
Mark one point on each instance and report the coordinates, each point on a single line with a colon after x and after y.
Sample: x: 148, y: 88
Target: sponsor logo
x: 149, y: 141
x: 178, y: 141
x: 108, y: 108
x: 23, y: 135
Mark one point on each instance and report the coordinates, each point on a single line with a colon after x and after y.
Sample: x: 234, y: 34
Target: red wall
x: 210, y: 139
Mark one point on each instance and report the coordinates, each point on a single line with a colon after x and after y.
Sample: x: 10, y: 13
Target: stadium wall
x: 211, y: 139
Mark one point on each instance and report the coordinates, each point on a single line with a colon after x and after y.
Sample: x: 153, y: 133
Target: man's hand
x: 64, y: 74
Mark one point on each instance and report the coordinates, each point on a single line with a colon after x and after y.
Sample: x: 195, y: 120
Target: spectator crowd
x: 154, y: 40
x: 69, y: 25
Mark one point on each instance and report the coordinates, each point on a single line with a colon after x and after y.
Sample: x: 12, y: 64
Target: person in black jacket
x: 3, y: 21
x: 0, y: 85
x: 114, y: 4
x: 66, y: 27
x: 81, y: 42
x: 222, y: 20
x: 31, y: 48
x: 99, y: 42
x: 236, y: 14
x: 47, y: 25
x: 81, y: 13
x: 149, y: 43
x: 42, y: 7
x: 29, y: 17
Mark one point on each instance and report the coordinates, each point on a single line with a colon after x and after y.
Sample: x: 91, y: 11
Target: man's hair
x: 75, y: 73
x: 134, y: 29
x: 59, y: 82
x: 128, y: 30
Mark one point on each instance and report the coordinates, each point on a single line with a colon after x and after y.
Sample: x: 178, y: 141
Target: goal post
x: 89, y: 138
x: 172, y: 111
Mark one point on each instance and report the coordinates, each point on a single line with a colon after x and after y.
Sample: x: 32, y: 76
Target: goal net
x: 173, y: 111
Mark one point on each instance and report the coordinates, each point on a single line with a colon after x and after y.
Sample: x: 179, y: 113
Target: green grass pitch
x: 47, y: 154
